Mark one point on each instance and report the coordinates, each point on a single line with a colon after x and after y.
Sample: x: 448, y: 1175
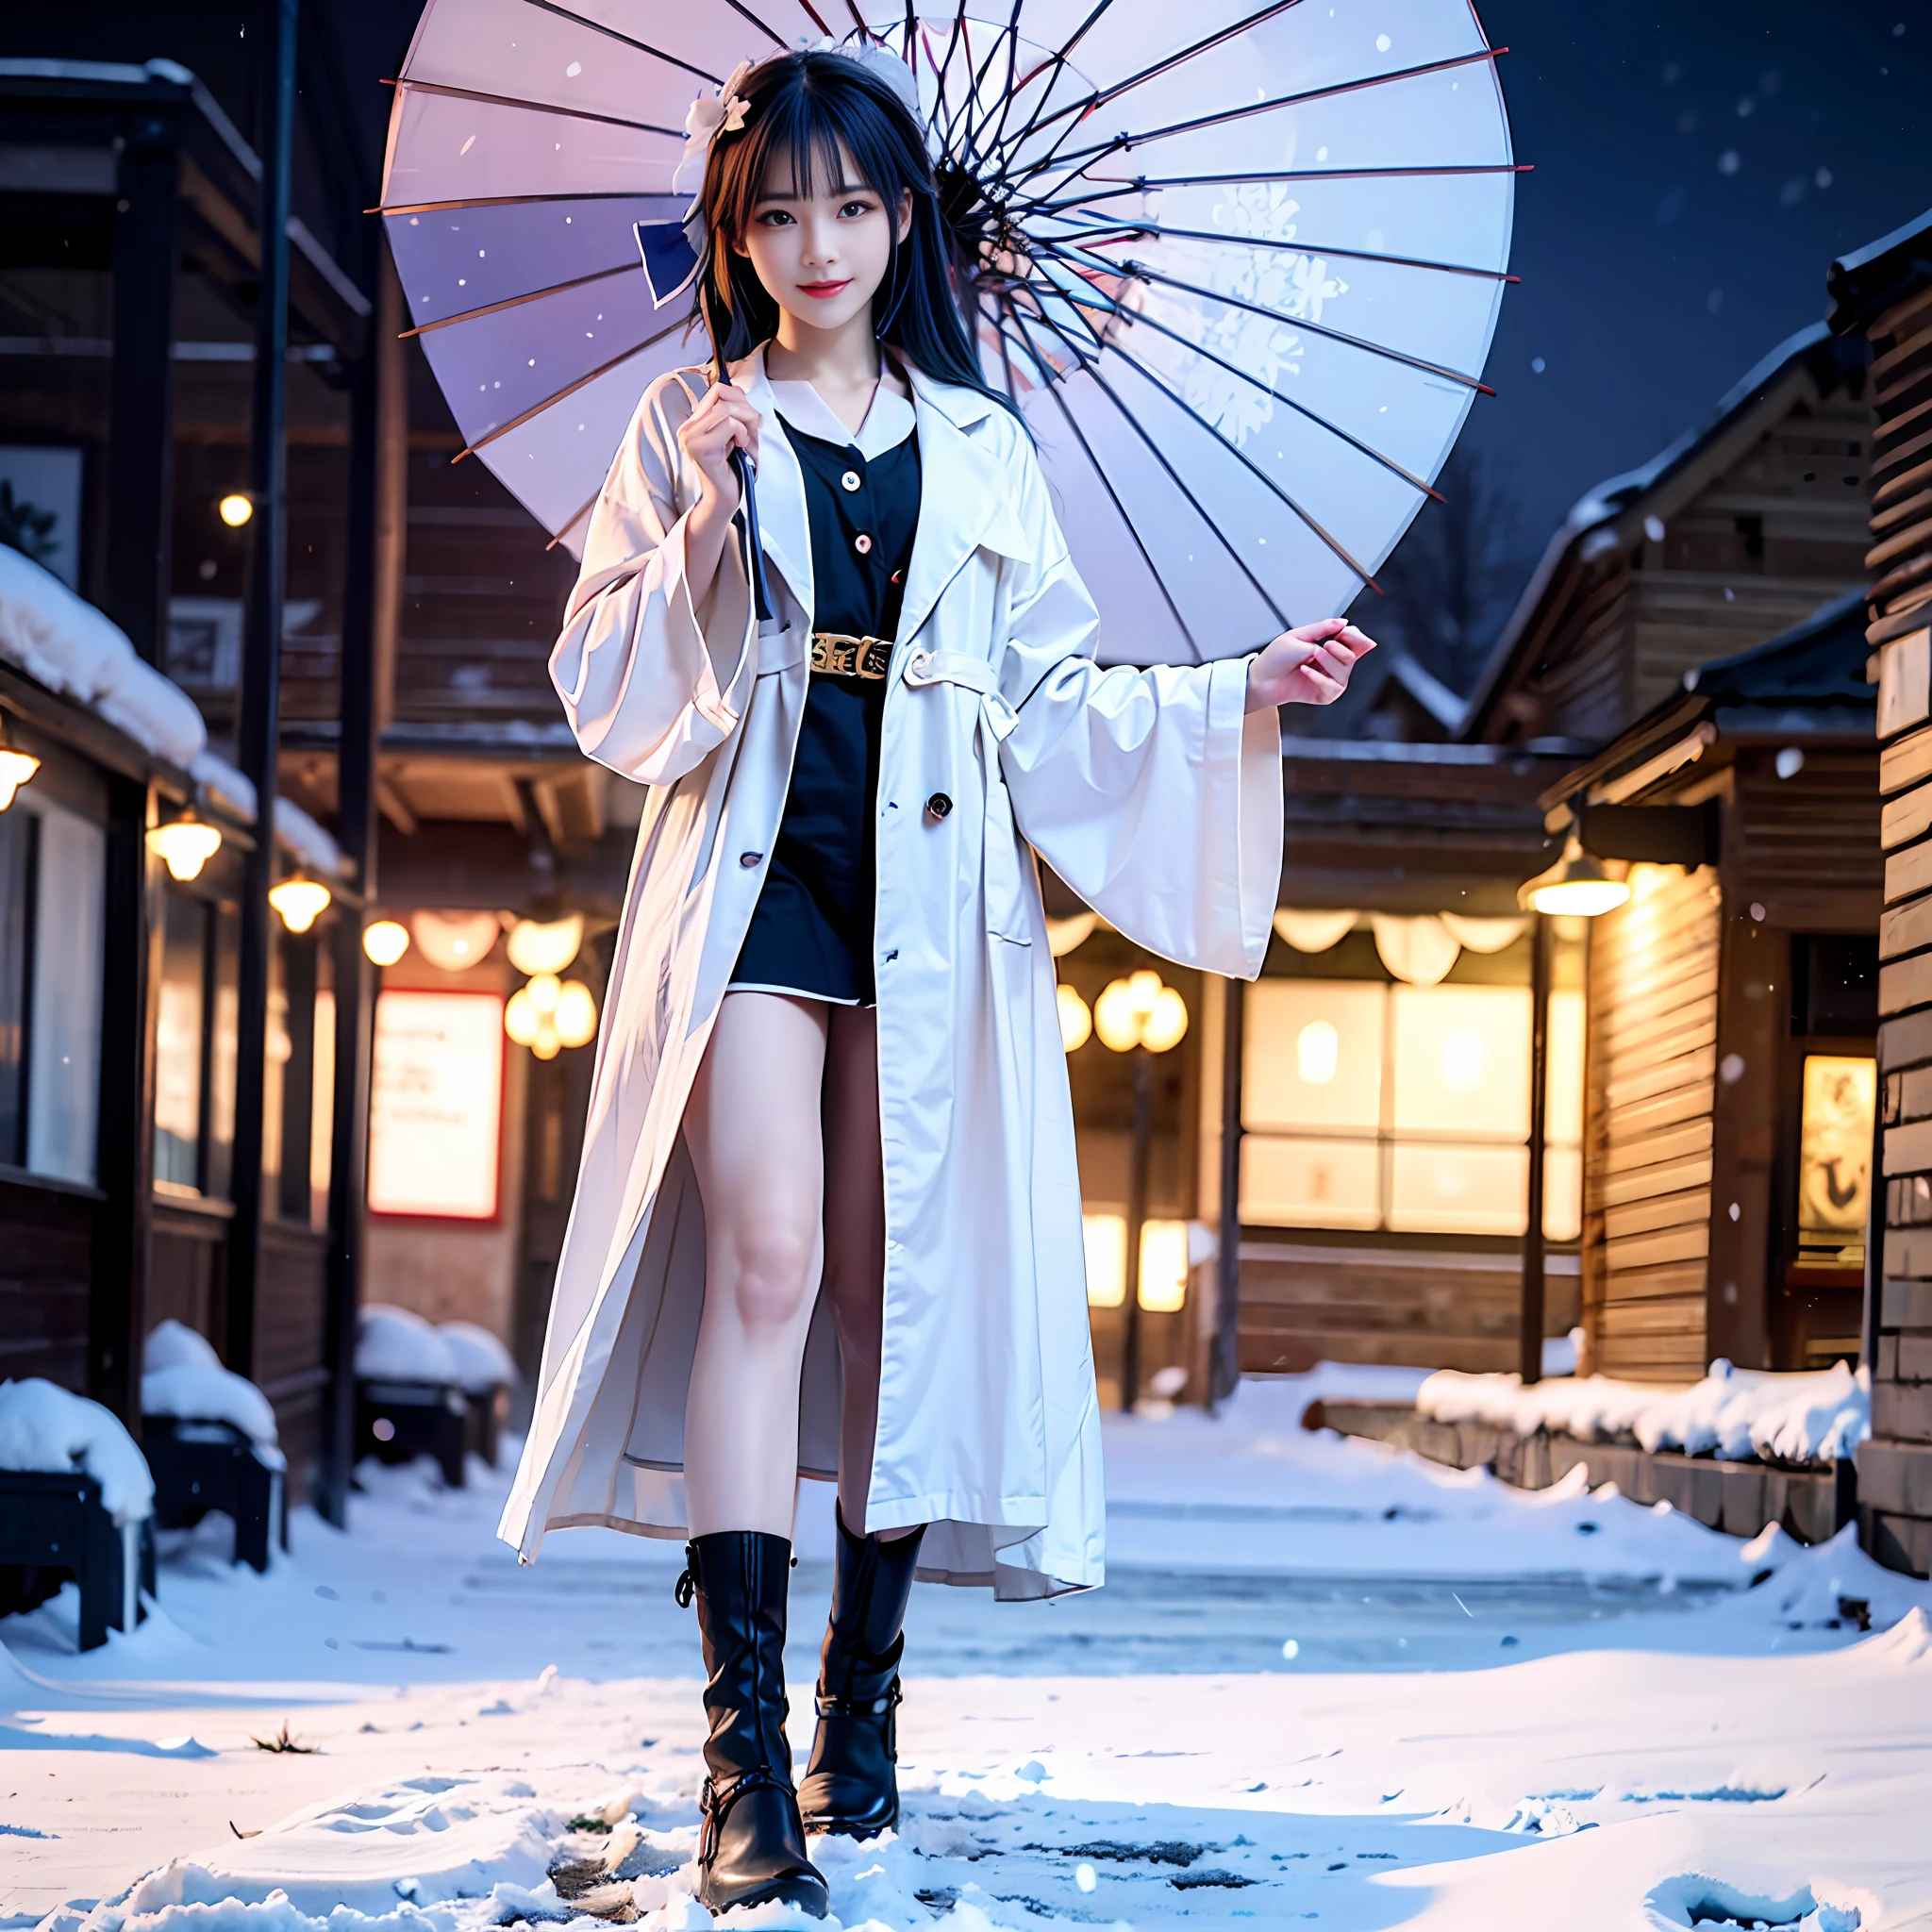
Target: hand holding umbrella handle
x: 754, y: 547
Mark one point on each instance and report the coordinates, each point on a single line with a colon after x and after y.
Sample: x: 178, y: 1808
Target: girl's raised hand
x: 1308, y: 665
x: 723, y: 420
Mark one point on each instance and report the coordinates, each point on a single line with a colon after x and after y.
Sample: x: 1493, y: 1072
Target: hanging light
x: 185, y: 844
x: 456, y: 941
x: 1577, y: 884
x: 386, y: 941
x: 235, y: 509
x: 1140, y: 1011
x: 301, y: 901
x: 16, y: 768
x: 1076, y: 1018
x: 538, y: 946
x: 548, y: 1014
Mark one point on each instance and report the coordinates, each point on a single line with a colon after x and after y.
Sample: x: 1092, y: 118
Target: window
x: 51, y: 883
x: 1405, y: 1107
x: 435, y: 1105
x: 196, y: 1046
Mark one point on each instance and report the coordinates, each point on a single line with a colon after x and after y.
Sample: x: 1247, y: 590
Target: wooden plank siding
x: 1652, y: 985
x: 47, y: 1242
x: 1421, y: 1308
x: 1896, y: 1466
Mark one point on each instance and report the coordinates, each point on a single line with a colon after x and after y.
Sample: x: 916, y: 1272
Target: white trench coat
x: 1149, y: 792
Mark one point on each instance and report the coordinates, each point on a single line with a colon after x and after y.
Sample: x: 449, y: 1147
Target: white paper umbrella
x: 1239, y: 265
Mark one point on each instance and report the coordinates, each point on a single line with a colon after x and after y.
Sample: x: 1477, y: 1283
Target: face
x: 822, y: 256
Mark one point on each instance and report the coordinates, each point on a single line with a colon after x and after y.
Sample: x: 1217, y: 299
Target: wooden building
x: 1739, y: 529
x: 1884, y: 296
x: 1731, y: 1012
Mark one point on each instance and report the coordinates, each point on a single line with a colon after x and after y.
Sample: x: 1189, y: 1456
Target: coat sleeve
x: 651, y: 684
x: 1150, y: 792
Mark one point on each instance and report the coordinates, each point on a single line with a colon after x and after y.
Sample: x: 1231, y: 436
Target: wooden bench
x: 199, y: 1466
x: 396, y: 1422
x: 53, y: 1526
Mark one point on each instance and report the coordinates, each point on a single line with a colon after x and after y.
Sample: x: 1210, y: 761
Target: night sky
x: 1696, y: 169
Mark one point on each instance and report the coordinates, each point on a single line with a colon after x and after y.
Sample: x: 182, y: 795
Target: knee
x: 776, y: 1254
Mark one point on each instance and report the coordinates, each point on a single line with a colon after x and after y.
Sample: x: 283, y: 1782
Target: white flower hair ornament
x: 711, y: 115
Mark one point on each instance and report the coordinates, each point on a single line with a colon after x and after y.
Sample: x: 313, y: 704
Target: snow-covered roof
x: 1611, y: 517
x: 61, y: 640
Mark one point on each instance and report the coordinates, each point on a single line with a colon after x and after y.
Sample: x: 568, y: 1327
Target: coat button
x: 939, y: 805
x: 850, y: 480
x: 863, y: 545
x: 748, y: 859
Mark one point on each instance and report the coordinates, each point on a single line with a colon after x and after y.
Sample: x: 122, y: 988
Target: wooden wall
x: 1303, y: 1302
x: 1653, y: 992
x: 47, y: 1239
x: 1896, y: 1466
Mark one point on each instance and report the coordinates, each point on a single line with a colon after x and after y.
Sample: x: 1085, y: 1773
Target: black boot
x: 751, y: 1847
x: 851, y: 1786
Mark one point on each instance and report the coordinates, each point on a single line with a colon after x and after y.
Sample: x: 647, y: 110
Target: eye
x: 773, y: 218
x: 855, y: 209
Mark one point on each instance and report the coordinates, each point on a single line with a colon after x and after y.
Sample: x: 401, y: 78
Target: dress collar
x: 888, y: 423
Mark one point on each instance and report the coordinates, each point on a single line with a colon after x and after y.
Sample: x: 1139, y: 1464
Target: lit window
x: 1163, y: 1266
x: 1106, y: 1239
x: 1312, y: 1056
x: 435, y: 1105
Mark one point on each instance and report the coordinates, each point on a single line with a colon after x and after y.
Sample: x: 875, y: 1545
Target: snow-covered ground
x: 1327, y: 1684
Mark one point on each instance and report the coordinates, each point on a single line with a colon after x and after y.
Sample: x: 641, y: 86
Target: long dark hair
x: 804, y: 107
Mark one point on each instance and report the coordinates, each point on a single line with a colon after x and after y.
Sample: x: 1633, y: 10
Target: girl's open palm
x: 1308, y: 665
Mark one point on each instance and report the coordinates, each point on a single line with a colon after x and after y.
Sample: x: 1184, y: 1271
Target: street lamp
x: 1140, y: 1016
x: 1576, y: 884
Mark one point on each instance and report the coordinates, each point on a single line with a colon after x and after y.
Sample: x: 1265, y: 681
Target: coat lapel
x: 782, y: 518
x: 964, y: 498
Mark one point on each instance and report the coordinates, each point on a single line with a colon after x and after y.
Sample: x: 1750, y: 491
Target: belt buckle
x: 841, y: 656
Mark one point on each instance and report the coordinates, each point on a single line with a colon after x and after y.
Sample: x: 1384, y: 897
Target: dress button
x: 748, y: 859
x: 939, y: 805
x: 862, y: 545
x: 850, y: 480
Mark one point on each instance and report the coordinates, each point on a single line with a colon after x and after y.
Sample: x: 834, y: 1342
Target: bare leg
x: 856, y: 1245
x: 754, y: 1129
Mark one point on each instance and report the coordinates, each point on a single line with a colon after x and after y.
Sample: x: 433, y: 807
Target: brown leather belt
x: 845, y: 656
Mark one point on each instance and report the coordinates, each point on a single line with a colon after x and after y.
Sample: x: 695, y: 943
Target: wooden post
x: 1137, y: 1221
x: 258, y: 737
x: 1224, y: 1370
x: 1530, y: 1322
x: 123, y: 1161
x: 371, y: 598
x: 141, y: 444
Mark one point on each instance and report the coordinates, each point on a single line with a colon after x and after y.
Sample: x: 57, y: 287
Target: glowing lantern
x: 537, y: 947
x: 386, y: 941
x: 300, y: 901
x: 456, y: 941
x: 183, y: 845
x: 1076, y: 1019
x: 235, y: 509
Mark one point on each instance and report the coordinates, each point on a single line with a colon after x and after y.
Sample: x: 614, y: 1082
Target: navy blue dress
x: 811, y: 934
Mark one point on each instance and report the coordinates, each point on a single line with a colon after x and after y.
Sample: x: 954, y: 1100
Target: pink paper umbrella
x: 1239, y: 265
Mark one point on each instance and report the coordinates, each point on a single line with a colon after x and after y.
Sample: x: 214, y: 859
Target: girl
x: 830, y: 1082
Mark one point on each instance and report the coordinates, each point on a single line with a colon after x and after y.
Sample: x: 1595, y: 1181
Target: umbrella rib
x: 1130, y: 227
x: 1151, y: 275
x: 1058, y: 63
x: 1122, y: 143
x: 1221, y: 536
x: 737, y: 7
x: 1102, y: 97
x: 568, y: 521
x: 1242, y: 456
x: 431, y: 208
x: 597, y: 26
x: 569, y: 390
x: 1049, y: 205
x: 1059, y: 402
x: 1141, y: 318
x: 1012, y: 83
x: 622, y: 268
x: 465, y: 93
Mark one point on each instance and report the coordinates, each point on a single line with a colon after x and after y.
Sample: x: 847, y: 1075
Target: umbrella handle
x: 754, y: 547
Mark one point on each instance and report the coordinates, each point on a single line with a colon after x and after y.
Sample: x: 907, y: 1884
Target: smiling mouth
x: 824, y: 288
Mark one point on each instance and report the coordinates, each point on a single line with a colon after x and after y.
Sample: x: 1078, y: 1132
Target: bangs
x: 804, y: 153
